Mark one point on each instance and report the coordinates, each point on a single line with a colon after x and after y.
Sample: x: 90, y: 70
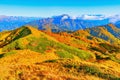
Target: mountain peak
x: 65, y: 16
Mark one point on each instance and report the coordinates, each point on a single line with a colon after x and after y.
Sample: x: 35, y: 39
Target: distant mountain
x: 58, y: 23
x: 67, y: 23
x: 107, y: 32
x: 13, y: 22
x: 117, y: 24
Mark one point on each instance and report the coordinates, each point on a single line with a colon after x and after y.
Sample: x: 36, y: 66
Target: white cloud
x: 114, y: 19
x: 73, y: 17
x: 93, y: 17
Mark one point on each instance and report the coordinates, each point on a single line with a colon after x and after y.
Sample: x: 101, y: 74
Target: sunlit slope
x: 31, y: 38
x: 27, y: 53
x: 27, y: 64
x: 26, y: 47
x: 102, y: 42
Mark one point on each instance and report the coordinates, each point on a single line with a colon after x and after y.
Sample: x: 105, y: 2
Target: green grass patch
x: 15, y: 45
x: 64, y: 54
x: 113, y: 58
x: 7, y: 54
x: 80, y: 42
x: 42, y: 44
x: 24, y: 31
x: 110, y: 48
x: 92, y: 70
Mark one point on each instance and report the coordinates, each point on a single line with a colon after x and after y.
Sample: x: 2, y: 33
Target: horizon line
x: 61, y: 15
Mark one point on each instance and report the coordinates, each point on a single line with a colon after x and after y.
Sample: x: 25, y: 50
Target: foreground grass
x: 25, y: 65
x: 33, y: 55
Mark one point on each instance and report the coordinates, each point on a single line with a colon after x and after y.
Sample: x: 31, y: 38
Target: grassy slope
x: 26, y: 64
x: 36, y: 55
x: 82, y: 39
x: 40, y: 42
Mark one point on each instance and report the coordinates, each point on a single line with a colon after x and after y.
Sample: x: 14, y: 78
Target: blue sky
x: 46, y: 8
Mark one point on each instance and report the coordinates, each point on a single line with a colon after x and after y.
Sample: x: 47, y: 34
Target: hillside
x: 98, y: 40
x: 28, y: 53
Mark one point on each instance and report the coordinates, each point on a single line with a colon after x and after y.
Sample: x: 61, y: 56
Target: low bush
x: 50, y: 61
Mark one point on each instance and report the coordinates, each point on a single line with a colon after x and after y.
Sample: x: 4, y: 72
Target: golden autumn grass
x: 26, y: 64
x: 29, y: 54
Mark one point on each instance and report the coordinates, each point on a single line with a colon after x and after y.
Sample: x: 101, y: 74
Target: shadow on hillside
x: 1, y: 55
x: 16, y: 34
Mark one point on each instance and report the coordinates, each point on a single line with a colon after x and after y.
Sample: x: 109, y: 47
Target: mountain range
x: 13, y: 22
x: 58, y: 23
x: 66, y: 23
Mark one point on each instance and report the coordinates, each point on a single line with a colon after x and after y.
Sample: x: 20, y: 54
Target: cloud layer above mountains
x: 93, y: 17
x: 111, y: 18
